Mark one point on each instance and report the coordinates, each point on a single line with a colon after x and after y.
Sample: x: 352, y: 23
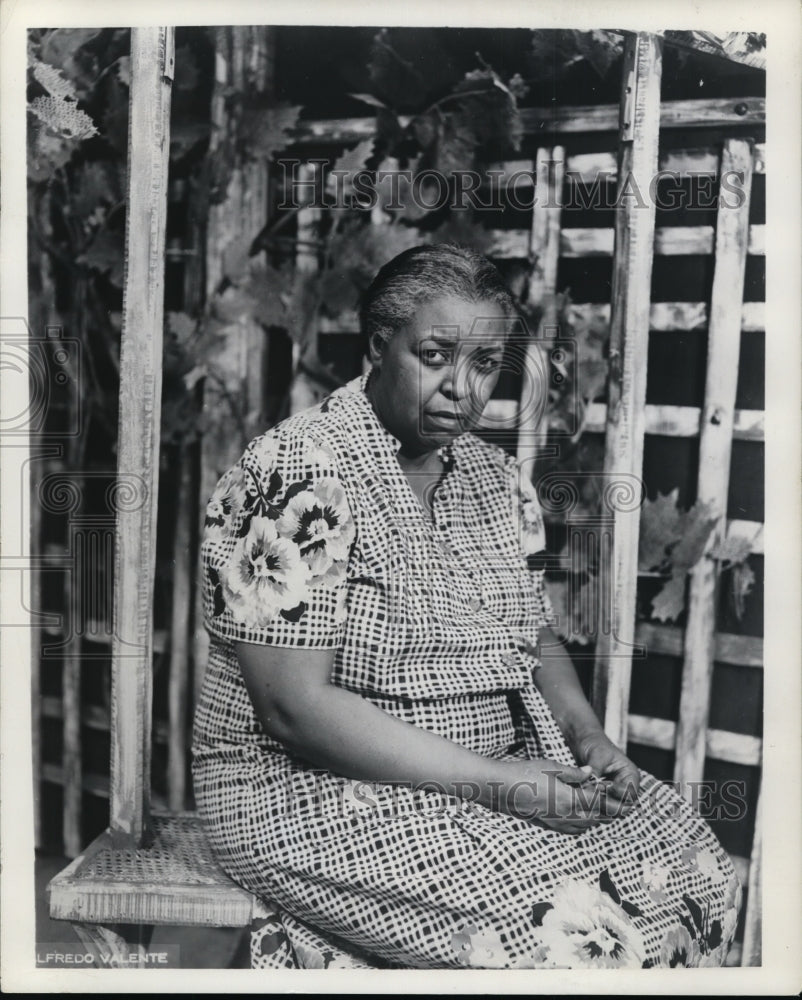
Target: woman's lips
x: 446, y: 416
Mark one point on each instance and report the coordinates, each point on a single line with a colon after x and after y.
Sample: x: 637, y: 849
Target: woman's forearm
x: 558, y: 683
x: 344, y: 733
x: 338, y: 730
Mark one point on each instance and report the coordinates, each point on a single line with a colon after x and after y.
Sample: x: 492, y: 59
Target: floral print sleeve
x: 531, y: 533
x: 278, y: 532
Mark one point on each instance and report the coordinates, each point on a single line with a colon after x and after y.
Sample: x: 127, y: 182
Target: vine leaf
x: 54, y: 81
x: 553, y: 52
x: 236, y: 258
x: 96, y: 183
x: 599, y: 48
x: 124, y: 70
x: 105, y: 255
x: 659, y: 530
x: 268, y: 130
x: 270, y: 289
x: 63, y: 117
x: 669, y: 603
x: 732, y: 550
x: 47, y: 152
x: 408, y: 67
x: 695, y: 527
x: 352, y: 161
x: 60, y: 48
x: 182, y: 327
x: 234, y: 305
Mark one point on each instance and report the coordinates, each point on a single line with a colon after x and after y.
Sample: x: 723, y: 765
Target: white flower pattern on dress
x: 531, y: 530
x: 266, y: 575
x: 479, y: 949
x: 655, y: 881
x: 679, y: 949
x: 226, y: 502
x: 584, y: 928
x: 319, y: 523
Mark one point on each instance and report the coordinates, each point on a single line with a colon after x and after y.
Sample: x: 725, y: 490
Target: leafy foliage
x: 672, y: 541
x: 556, y: 52
x: 430, y: 113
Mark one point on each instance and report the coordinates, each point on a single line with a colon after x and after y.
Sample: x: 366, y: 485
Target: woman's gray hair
x: 422, y: 274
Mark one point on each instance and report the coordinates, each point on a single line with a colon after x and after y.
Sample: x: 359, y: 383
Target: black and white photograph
x: 400, y: 498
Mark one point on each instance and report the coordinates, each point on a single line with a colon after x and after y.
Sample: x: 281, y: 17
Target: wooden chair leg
x: 119, y: 946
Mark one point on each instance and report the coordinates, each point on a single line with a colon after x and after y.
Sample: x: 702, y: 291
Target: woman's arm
x: 558, y: 683
x: 344, y: 733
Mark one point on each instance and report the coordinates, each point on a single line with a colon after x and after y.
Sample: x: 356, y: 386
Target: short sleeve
x: 531, y: 533
x: 277, y: 537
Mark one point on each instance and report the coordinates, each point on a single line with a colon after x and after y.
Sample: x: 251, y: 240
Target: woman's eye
x: 487, y: 363
x: 436, y: 356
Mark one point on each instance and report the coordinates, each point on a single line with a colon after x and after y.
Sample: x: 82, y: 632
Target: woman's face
x: 433, y: 378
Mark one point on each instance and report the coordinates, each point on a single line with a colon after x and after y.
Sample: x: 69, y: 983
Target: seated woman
x: 380, y: 750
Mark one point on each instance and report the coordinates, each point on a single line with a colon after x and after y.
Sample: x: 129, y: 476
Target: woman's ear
x: 375, y: 349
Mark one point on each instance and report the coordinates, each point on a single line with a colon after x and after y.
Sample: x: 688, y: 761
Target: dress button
x: 447, y: 547
x: 509, y: 659
x: 474, y: 603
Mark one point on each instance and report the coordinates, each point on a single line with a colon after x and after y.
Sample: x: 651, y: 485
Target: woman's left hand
x: 606, y: 761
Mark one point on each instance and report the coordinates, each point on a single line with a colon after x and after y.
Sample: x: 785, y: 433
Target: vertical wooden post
x: 303, y: 392
x: 244, y: 58
x: 715, y: 449
x: 629, y: 342
x: 152, y: 61
x: 545, y: 246
x: 179, y: 637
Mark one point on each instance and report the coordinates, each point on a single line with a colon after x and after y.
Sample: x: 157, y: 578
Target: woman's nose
x: 455, y: 383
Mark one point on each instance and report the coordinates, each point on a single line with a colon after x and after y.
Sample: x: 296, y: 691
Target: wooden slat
x: 681, y: 421
x: 542, y: 291
x: 715, y: 448
x: 626, y: 385
x: 696, y: 113
x: 731, y: 45
x: 152, y: 57
x: 753, y: 926
x: 586, y: 167
x: 735, y: 748
x: 177, y: 685
x: 668, y: 421
x: 98, y: 718
x: 243, y: 62
x: 740, y: 650
x: 750, y: 530
x: 663, y: 317
x: 98, y: 785
x: 669, y: 241
x: 303, y: 392
x: 71, y: 753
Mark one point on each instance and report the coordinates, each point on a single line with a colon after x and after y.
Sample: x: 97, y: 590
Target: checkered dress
x: 315, y: 539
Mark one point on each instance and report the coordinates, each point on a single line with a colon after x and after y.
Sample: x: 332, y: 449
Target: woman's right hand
x: 560, y: 797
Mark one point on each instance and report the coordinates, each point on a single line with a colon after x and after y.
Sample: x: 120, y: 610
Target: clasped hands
x: 567, y: 799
